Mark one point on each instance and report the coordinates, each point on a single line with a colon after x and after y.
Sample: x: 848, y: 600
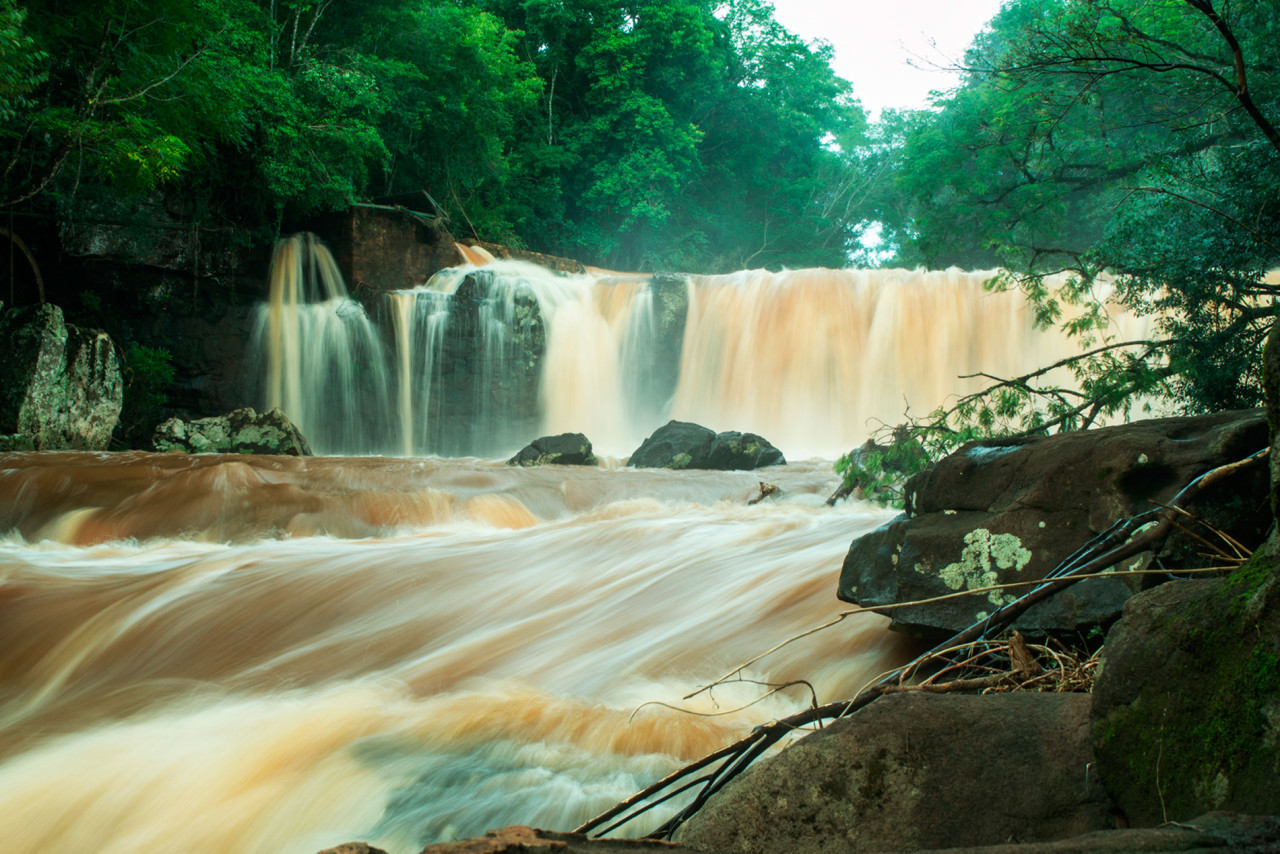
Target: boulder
x: 518, y: 839
x: 241, y: 431
x: 1005, y: 511
x: 684, y: 445
x: 1186, y: 709
x: 733, y: 451
x: 567, y: 449
x: 60, y: 386
x: 913, y: 771
x: 1212, y: 832
x: 675, y: 445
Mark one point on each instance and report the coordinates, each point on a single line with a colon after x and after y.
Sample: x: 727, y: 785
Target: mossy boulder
x: 1186, y: 713
x: 241, y: 431
x: 566, y: 449
x: 60, y: 385
x: 685, y: 445
x: 915, y: 771
x: 737, y: 451
x: 675, y: 445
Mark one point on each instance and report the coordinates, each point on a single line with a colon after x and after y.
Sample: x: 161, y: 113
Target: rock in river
x: 241, y: 431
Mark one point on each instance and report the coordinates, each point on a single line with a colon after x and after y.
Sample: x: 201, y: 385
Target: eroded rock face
x: 684, y: 445
x: 60, y: 386
x: 913, y: 771
x: 241, y: 431
x: 566, y: 449
x: 1187, y: 703
x: 1008, y: 511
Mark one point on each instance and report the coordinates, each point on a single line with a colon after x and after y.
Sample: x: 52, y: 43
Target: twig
x: 1141, y: 531
x: 774, y: 690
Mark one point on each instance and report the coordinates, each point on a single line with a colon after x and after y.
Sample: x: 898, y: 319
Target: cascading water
x: 324, y: 361
x: 266, y: 655
x: 485, y: 359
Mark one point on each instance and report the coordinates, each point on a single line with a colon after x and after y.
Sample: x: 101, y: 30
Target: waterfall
x: 324, y: 360
x: 480, y: 360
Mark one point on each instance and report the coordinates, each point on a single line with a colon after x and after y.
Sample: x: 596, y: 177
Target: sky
x: 892, y: 51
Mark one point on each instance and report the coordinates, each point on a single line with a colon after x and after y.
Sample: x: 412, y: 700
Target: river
x: 231, y: 654
x: 260, y: 654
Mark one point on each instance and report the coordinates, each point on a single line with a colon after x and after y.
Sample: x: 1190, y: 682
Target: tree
x: 680, y: 133
x: 1122, y: 138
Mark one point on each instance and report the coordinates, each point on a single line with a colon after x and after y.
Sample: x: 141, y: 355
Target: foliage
x: 681, y: 134
x: 876, y: 472
x: 1072, y: 394
x: 640, y: 134
x: 20, y: 62
x: 1103, y: 153
x: 148, y: 374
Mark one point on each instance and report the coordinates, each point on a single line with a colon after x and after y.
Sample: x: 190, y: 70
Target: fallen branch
x: 1123, y: 539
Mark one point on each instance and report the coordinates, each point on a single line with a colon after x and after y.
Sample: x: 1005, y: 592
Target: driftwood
x: 1122, y: 540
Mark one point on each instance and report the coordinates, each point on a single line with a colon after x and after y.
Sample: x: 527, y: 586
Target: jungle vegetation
x: 636, y: 134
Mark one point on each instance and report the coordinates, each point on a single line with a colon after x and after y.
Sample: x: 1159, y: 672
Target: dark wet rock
x: 566, y: 449
x: 526, y: 840
x: 1006, y: 511
x: 60, y: 385
x: 675, y: 445
x: 1187, y: 703
x: 656, y: 369
x: 241, y: 431
x: 913, y: 771
x: 684, y: 445
x: 733, y: 451
x: 353, y: 848
x: 1212, y: 832
x: 486, y: 409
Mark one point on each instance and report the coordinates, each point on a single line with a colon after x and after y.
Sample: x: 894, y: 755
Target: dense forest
x: 664, y: 133
x: 1131, y: 139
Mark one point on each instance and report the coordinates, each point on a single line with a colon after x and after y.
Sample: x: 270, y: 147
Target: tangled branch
x: 1124, y: 539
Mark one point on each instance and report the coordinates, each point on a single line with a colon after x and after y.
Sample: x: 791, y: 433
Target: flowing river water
x: 260, y: 654
x: 230, y: 654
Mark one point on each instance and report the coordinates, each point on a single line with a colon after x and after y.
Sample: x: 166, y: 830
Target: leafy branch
x: 1110, y: 378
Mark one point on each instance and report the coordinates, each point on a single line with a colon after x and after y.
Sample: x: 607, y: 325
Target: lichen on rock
x: 983, y: 553
x: 241, y: 431
x: 60, y: 386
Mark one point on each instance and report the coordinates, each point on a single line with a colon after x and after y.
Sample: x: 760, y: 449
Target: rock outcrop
x: 566, y: 449
x: 997, y: 512
x: 684, y: 445
x: 913, y: 771
x: 60, y: 386
x: 518, y: 839
x: 241, y: 431
x: 1187, y: 704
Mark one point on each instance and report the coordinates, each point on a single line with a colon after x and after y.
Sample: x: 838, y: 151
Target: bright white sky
x: 877, y: 42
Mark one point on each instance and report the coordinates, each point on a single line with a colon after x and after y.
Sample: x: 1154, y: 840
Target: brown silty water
x: 261, y: 654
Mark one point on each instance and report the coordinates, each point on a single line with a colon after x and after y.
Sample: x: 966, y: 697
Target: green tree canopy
x: 674, y: 133
x: 1123, y: 138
